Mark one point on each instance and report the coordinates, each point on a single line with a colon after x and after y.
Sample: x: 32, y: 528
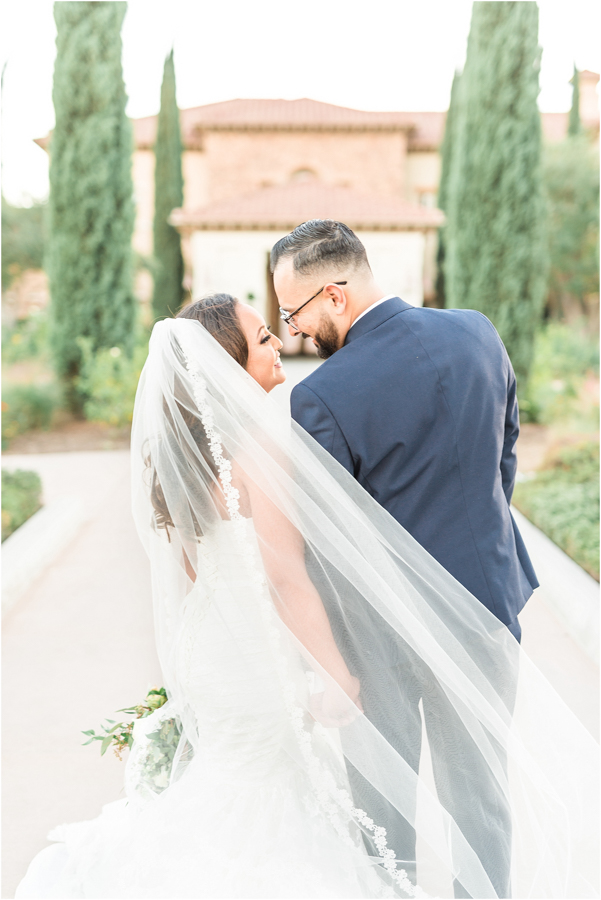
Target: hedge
x: 27, y: 406
x: 21, y: 493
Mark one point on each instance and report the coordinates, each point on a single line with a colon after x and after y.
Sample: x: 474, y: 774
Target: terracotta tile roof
x: 284, y: 115
x: 428, y: 130
x: 425, y: 129
x: 285, y: 207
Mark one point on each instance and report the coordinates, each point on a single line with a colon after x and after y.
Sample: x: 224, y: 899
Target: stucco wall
x: 423, y: 175
x: 397, y: 261
x: 236, y: 262
x: 232, y: 261
x: 196, y: 179
x: 143, y: 179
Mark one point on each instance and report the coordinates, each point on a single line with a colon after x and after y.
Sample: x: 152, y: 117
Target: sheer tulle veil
x: 205, y: 436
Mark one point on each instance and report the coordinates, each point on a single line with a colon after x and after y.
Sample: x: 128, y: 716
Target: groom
x: 419, y: 405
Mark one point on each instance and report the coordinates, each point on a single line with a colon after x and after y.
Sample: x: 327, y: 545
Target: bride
x: 283, y: 594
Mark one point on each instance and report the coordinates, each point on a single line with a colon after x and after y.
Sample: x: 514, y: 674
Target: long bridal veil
x: 206, y: 436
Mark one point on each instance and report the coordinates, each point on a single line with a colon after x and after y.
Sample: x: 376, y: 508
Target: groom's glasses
x: 288, y: 317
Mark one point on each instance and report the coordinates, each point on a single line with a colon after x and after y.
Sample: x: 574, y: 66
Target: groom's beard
x: 326, y: 338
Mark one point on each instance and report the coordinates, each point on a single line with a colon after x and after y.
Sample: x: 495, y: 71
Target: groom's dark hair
x: 320, y: 243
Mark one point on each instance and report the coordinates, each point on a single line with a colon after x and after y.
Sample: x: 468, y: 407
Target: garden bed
x: 562, y: 499
x: 71, y: 436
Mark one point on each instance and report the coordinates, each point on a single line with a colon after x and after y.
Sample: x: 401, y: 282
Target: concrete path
x: 76, y: 648
x: 79, y: 645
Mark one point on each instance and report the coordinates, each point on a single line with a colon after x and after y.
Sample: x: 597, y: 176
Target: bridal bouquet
x: 161, y: 744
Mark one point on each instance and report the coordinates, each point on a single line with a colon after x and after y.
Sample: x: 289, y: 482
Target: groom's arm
x: 509, y: 462
x: 313, y: 415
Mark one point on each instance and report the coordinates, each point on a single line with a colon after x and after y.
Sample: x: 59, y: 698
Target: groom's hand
x: 337, y: 706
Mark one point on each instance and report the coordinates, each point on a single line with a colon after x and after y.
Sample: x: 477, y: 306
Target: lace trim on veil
x: 326, y: 791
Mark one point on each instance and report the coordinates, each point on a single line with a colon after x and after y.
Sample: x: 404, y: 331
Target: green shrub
x: 22, y: 239
x: 21, y: 492
x: 108, y: 381
x: 27, y: 339
x: 571, y: 175
x: 27, y: 406
x: 563, y: 356
x: 563, y: 501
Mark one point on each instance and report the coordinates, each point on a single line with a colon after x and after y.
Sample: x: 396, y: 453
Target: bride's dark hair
x: 217, y: 313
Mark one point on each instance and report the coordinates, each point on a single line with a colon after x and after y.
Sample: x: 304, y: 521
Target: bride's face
x: 264, y: 362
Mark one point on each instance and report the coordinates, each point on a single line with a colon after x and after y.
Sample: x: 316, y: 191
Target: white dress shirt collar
x: 373, y: 306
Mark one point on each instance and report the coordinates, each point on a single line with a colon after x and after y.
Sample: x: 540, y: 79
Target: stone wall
x: 240, y: 162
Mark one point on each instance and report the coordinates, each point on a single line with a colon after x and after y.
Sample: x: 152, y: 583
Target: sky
x: 372, y: 54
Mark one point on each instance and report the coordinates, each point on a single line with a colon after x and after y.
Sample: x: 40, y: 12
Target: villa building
x: 254, y: 169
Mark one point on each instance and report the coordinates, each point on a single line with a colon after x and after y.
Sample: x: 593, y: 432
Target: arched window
x: 303, y: 175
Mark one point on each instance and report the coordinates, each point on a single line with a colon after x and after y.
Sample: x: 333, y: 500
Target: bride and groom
x: 336, y: 599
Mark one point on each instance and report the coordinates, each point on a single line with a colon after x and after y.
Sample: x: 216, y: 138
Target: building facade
x: 254, y: 169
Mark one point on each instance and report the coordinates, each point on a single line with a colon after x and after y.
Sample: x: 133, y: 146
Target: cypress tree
x: 91, y: 212
x: 574, y: 118
x: 497, y: 259
x: 446, y: 151
x: 168, y: 194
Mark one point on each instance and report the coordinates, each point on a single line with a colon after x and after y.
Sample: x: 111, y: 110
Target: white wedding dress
x: 244, y: 819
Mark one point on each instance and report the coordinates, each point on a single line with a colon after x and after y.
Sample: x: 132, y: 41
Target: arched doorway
x: 293, y: 346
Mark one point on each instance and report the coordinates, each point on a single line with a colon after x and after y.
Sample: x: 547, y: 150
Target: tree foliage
x: 91, y: 211
x: 446, y: 150
x: 168, y: 262
x: 571, y: 173
x: 22, y: 240
x: 496, y: 247
x: 574, y: 125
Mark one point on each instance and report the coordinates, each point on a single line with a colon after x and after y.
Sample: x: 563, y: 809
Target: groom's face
x: 321, y: 318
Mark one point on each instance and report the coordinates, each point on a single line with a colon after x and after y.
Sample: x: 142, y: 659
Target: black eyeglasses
x: 287, y: 317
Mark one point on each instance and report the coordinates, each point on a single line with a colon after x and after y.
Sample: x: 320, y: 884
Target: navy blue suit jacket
x: 420, y: 406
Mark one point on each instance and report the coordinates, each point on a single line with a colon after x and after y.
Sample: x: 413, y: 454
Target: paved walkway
x: 79, y: 645
x: 76, y: 648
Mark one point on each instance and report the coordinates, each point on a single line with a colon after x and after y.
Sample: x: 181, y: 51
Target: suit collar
x: 376, y: 317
